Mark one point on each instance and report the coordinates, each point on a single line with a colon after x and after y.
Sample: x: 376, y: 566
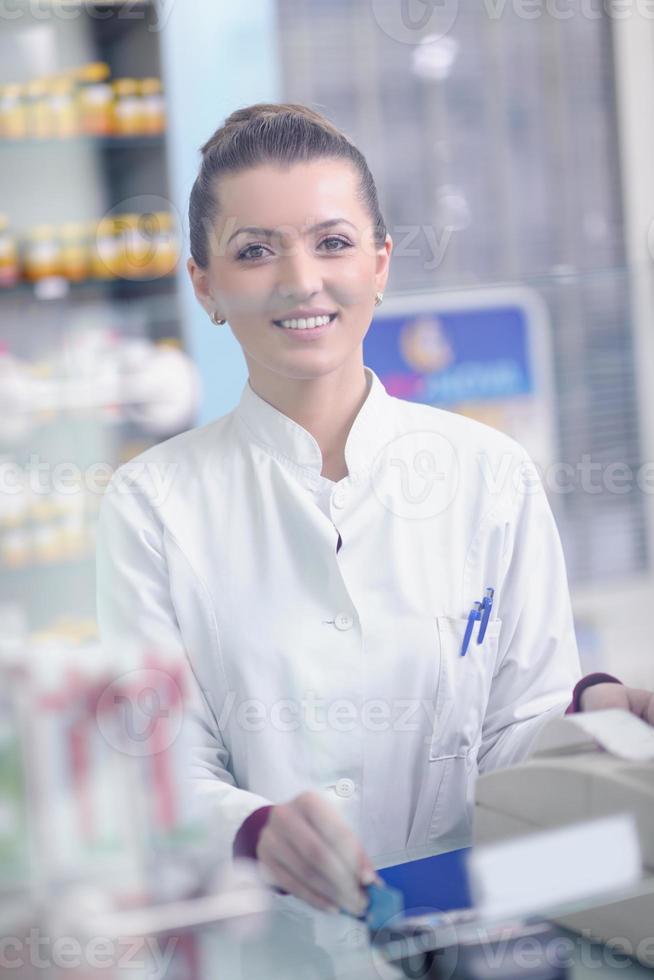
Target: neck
x: 326, y: 407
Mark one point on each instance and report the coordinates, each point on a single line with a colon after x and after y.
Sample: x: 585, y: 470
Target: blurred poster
x: 484, y: 353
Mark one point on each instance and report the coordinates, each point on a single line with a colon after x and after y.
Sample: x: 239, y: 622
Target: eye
x: 243, y: 255
x: 336, y: 238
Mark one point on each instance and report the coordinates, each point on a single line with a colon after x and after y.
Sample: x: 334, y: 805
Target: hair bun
x: 264, y: 110
x: 258, y: 111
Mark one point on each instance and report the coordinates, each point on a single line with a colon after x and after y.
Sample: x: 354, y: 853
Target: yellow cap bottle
x: 13, y: 112
x: 38, y: 109
x: 95, y: 99
x: 42, y: 253
x: 128, y: 107
x: 153, y: 106
x: 9, y: 265
x: 105, y: 250
x: 75, y: 251
x: 64, y: 107
x: 167, y: 247
x: 139, y: 244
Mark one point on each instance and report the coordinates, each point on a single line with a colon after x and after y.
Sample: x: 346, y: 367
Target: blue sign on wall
x: 445, y: 358
x: 482, y: 352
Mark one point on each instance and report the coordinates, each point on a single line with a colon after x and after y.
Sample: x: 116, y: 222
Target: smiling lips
x: 306, y: 323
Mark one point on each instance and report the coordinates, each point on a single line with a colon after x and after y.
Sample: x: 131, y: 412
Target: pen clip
x: 486, y: 606
x: 473, y: 615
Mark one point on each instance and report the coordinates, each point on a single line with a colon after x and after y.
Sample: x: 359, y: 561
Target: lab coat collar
x: 294, y: 446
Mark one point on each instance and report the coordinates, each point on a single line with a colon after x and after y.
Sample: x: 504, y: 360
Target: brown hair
x: 281, y: 132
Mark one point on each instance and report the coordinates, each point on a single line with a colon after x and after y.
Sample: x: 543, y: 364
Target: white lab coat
x: 341, y: 672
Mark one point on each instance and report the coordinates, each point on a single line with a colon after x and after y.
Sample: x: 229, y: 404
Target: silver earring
x: 215, y: 319
x: 378, y: 298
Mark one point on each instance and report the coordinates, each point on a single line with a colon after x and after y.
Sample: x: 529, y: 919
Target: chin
x: 314, y: 365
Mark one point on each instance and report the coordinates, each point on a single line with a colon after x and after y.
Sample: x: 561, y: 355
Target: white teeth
x: 308, y: 324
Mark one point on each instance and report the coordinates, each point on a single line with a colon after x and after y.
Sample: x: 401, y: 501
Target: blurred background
x: 513, y: 154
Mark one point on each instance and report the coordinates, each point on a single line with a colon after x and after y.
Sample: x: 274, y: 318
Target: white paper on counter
x: 615, y: 730
x: 542, y: 871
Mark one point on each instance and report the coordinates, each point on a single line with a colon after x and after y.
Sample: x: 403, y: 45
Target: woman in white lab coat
x: 315, y: 553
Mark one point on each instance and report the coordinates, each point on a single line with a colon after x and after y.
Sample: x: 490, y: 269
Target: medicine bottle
x: 128, y: 108
x: 75, y: 251
x: 9, y: 266
x: 153, y: 106
x: 64, y: 108
x: 38, y: 109
x: 42, y: 253
x: 105, y: 250
x: 167, y: 248
x: 95, y: 99
x: 12, y: 113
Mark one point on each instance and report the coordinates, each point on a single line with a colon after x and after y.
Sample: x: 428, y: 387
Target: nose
x: 300, y: 276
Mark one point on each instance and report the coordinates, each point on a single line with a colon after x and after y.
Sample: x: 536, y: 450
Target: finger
x: 285, y: 879
x: 327, y: 821
x: 314, y: 858
x: 301, y: 867
x: 337, y: 832
x: 640, y: 703
x: 367, y: 872
x: 342, y: 843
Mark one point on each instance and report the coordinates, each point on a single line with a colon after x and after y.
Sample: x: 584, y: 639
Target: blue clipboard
x: 439, y: 882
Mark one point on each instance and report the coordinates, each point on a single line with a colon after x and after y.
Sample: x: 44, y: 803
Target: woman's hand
x: 634, y: 699
x: 310, y: 852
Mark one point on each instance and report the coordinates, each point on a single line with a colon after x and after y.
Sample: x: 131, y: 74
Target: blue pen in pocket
x: 486, y: 606
x: 473, y: 616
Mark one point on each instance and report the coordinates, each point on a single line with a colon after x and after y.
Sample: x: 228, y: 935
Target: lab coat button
x: 343, y: 621
x: 340, y: 497
x: 344, y: 788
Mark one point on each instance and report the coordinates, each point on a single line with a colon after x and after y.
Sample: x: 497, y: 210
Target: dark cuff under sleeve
x: 247, y: 837
x: 587, y: 681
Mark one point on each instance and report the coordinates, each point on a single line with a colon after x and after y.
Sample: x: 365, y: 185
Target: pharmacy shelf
x: 37, y: 567
x: 101, y: 142
x: 58, y: 288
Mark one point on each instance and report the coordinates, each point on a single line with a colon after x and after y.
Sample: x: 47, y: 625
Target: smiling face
x: 313, y: 251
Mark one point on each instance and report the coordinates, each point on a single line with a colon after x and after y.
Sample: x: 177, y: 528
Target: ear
x: 383, y: 264
x: 201, y: 286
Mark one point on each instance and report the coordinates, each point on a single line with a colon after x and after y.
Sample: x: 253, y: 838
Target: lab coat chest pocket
x: 463, y: 687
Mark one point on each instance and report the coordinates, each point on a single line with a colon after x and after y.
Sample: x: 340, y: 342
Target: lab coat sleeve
x: 135, y: 614
x: 537, y: 662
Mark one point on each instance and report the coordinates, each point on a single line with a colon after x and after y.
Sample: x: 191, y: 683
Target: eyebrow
x: 270, y: 232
